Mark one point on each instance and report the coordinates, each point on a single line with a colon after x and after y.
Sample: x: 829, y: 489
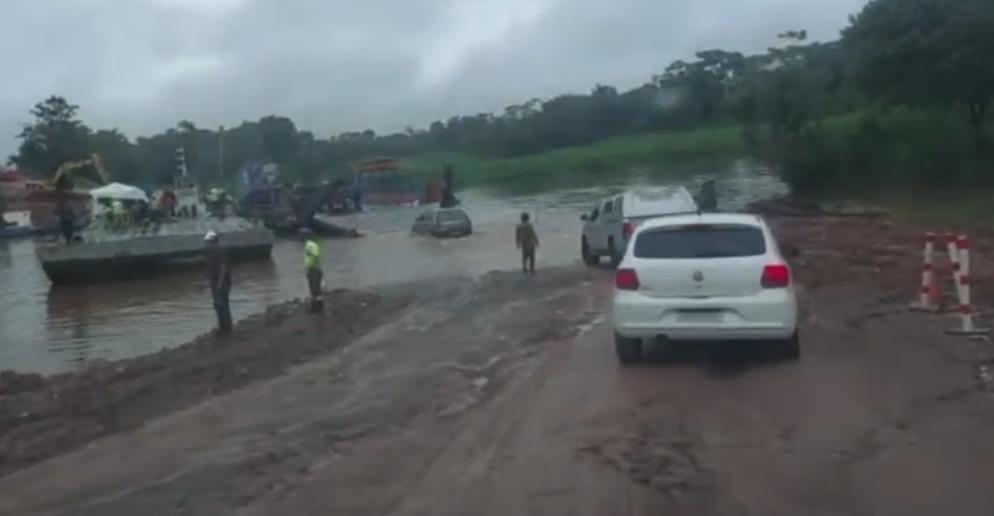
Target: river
x: 54, y: 329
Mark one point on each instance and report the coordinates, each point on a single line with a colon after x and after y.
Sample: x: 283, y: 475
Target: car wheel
x: 629, y: 351
x: 613, y: 253
x: 588, y: 258
x: 789, y: 348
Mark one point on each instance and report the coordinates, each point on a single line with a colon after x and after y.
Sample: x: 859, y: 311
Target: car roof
x: 744, y: 219
x: 651, y: 201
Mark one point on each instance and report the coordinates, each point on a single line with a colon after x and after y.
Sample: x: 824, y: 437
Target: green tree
x: 926, y: 52
x: 118, y: 155
x: 279, y: 137
x: 705, y: 83
x: 54, y: 137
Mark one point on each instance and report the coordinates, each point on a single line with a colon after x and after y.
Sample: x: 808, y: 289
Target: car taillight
x: 776, y: 276
x: 626, y: 279
x: 627, y: 229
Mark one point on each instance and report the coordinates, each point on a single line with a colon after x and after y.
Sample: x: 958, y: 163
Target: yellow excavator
x: 63, y: 175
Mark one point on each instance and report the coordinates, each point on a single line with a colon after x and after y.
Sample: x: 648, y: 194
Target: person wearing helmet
x: 219, y: 277
x: 118, y: 213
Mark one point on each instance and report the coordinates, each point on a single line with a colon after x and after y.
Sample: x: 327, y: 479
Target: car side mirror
x: 584, y: 217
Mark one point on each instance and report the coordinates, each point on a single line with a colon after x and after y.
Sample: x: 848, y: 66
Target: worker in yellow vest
x: 312, y: 267
x: 118, y: 214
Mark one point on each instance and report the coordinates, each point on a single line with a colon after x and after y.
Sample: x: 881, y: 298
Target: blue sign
x: 254, y: 176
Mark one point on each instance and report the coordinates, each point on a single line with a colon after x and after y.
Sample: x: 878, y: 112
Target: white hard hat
x: 211, y: 236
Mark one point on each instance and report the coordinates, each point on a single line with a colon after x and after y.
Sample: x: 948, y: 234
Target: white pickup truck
x: 608, y: 227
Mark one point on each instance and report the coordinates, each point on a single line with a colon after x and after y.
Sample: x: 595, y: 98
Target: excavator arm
x: 63, y: 173
x: 307, y: 207
x: 98, y: 165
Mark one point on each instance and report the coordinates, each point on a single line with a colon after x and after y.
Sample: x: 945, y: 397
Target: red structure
x: 384, y: 182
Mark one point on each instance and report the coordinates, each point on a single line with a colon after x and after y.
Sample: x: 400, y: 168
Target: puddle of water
x: 48, y: 329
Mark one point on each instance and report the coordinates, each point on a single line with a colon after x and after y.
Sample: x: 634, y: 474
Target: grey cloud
x: 335, y: 65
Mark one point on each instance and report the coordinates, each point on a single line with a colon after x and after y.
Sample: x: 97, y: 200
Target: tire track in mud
x: 482, y: 438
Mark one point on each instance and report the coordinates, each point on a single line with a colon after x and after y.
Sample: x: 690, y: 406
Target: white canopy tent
x: 119, y: 191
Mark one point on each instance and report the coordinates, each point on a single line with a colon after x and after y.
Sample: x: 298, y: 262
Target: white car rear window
x: 701, y: 241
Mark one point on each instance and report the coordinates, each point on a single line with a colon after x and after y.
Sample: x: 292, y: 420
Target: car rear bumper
x: 706, y: 334
x: 451, y: 233
x: 770, y: 315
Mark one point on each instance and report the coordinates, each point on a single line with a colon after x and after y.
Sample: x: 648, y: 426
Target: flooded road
x: 502, y: 395
x: 48, y: 330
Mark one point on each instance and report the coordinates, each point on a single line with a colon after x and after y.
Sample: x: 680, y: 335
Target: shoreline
x: 45, y: 416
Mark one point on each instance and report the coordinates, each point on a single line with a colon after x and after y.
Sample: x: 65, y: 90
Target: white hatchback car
x: 704, y: 277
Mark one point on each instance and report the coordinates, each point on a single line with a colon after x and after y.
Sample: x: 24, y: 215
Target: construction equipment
x: 63, y: 175
x: 304, y: 204
x: 288, y: 209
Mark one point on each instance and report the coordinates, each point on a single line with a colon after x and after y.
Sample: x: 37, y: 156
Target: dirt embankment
x: 41, y: 417
x: 845, y: 247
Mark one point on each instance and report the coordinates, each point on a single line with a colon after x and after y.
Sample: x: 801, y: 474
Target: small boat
x: 17, y: 224
x: 140, y: 256
x: 111, y: 252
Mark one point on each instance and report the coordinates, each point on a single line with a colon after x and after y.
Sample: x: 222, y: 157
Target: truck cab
x: 613, y: 220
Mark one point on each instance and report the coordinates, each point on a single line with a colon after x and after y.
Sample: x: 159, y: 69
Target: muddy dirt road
x: 501, y: 395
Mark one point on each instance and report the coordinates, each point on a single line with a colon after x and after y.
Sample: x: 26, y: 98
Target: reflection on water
x: 49, y: 329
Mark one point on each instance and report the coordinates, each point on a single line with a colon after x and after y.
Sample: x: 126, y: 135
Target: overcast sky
x: 336, y: 65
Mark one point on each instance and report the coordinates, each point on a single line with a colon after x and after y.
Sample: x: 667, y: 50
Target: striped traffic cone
x: 929, y: 295
x: 964, y: 282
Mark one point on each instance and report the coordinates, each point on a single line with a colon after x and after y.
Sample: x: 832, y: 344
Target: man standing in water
x: 219, y: 276
x: 707, y: 201
x: 448, y: 190
x: 527, y: 241
x: 312, y: 266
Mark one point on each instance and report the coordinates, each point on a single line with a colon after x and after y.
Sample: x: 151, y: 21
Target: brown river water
x: 53, y: 329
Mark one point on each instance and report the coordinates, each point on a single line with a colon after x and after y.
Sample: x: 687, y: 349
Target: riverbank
x: 860, y: 153
x: 853, y: 153
x: 44, y: 416
x: 502, y: 392
x: 570, y: 165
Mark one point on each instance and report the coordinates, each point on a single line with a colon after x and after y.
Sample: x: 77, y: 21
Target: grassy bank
x: 604, y: 157
x: 883, y: 149
x: 857, y: 153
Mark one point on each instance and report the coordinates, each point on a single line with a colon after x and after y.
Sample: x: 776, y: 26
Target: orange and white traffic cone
x: 964, y: 282
x: 952, y: 245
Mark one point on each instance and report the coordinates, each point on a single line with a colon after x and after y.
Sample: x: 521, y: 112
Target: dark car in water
x: 443, y: 223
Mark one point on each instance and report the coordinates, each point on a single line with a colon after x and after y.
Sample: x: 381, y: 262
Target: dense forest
x: 903, y: 95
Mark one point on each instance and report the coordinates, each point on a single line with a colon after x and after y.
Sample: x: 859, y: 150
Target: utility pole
x: 220, y: 153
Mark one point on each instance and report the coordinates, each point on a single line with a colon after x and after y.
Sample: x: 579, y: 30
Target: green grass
x: 884, y: 149
x: 587, y: 161
x: 921, y: 165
